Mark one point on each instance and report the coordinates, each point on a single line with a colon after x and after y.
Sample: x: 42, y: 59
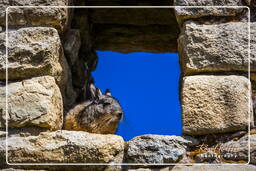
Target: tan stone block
x: 215, y: 104
x: 32, y: 102
x: 183, y: 14
x: 33, y: 51
x: 216, y: 47
x: 65, y: 147
x: 37, y: 16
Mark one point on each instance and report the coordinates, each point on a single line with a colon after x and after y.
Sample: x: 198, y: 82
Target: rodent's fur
x: 100, y: 114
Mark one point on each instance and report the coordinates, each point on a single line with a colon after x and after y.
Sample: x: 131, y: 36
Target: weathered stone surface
x: 183, y: 13
x: 214, y: 168
x: 72, y: 45
x: 253, y: 47
x: 82, y: 21
x: 207, y: 2
x: 237, y: 150
x: 87, y: 61
x: 2, y: 133
x: 33, y: 51
x: 248, y: 2
x: 13, y: 169
x: 215, y: 104
x: 80, y: 73
x: 65, y: 147
x: 158, y: 148
x: 68, y: 92
x: 254, y: 101
x: 132, y: 16
x: 201, y: 168
x: 131, y: 30
x: 129, y: 3
x: 37, y: 16
x: 215, y: 48
x: 36, y: 51
x: 32, y: 102
x: 129, y: 38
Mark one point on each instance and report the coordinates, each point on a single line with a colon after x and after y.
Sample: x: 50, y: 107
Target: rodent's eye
x: 106, y: 104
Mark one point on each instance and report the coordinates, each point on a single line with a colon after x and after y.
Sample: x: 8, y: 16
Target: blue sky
x: 146, y: 85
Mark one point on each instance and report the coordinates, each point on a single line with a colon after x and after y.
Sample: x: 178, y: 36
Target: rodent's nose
x: 120, y: 115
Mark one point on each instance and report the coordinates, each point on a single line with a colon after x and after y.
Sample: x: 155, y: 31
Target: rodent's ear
x: 98, y: 93
x: 107, y: 92
x: 92, y: 91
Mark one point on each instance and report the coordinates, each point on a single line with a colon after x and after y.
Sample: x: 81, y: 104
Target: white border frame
x: 126, y: 164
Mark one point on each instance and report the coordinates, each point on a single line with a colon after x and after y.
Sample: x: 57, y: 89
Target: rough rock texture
x: 12, y: 169
x: 52, y: 17
x: 129, y: 30
x: 68, y: 92
x: 37, y: 51
x: 32, y: 102
x: 253, y: 46
x: 87, y: 60
x: 215, y: 48
x: 158, y: 148
x: 136, y: 38
x: 141, y: 16
x: 215, y: 42
x: 215, y: 104
x: 2, y: 133
x: 202, y: 168
x: 72, y: 45
x: 183, y: 13
x: 33, y: 51
x: 129, y: 3
x: 65, y: 147
x: 237, y: 150
x: 207, y: 2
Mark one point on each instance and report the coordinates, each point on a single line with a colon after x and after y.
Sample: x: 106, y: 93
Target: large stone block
x: 215, y: 104
x: 216, y: 47
x: 65, y: 147
x: 36, y: 16
x: 158, y: 149
x: 132, y: 16
x: 32, y: 102
x: 203, y: 167
x: 183, y: 14
x: 33, y: 51
x: 253, y: 47
x: 133, y: 30
x: 129, y: 38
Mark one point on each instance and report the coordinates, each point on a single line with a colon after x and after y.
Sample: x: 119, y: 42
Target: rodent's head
x: 110, y: 106
x: 104, y: 110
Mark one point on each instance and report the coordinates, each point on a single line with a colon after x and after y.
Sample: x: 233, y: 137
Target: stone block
x: 183, y: 14
x: 36, y: 16
x: 158, y: 148
x: 65, y: 147
x: 216, y: 47
x: 32, y: 102
x: 33, y: 51
x: 215, y: 104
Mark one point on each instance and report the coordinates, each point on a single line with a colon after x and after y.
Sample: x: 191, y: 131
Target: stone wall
x: 52, y: 52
